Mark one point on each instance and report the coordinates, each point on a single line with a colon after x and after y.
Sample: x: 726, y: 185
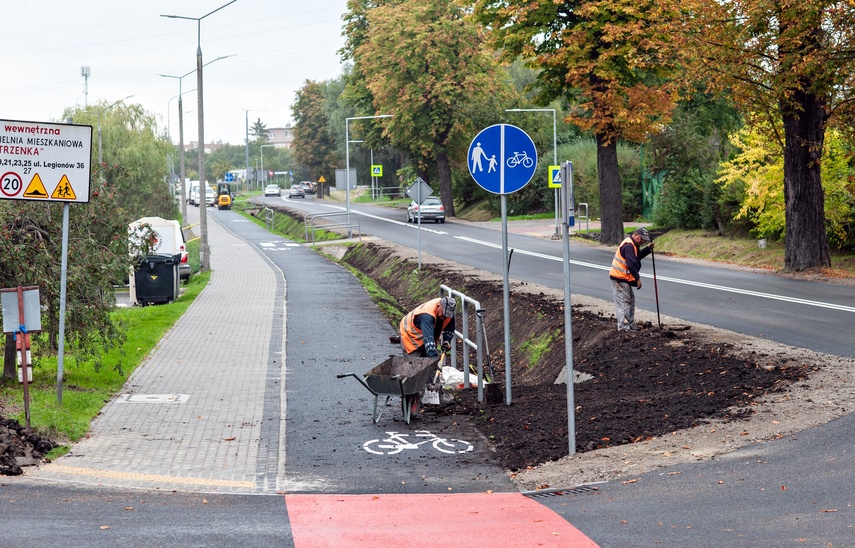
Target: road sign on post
x: 419, y: 190
x: 554, y: 176
x: 44, y: 161
x: 502, y: 159
x: 376, y: 170
x: 230, y: 177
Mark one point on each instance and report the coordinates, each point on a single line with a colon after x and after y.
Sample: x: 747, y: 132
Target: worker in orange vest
x: 423, y: 327
x: 624, y: 274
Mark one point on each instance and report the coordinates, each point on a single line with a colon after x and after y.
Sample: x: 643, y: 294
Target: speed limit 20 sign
x: 45, y: 161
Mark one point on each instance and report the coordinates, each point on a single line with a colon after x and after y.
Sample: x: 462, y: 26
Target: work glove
x: 430, y: 349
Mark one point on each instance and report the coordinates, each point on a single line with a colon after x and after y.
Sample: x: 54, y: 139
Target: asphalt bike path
x: 350, y: 480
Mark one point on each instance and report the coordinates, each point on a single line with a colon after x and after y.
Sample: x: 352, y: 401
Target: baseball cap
x: 446, y: 307
x: 641, y: 231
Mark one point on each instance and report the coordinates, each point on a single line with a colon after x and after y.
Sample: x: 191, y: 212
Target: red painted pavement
x: 496, y: 520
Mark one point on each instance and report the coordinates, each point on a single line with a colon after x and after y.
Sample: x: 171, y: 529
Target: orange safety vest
x: 619, y: 269
x: 411, y: 336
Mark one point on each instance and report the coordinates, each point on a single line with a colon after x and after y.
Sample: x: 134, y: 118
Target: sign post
x: 502, y: 159
x: 47, y: 162
x: 419, y: 191
x: 567, y: 215
x: 17, y: 304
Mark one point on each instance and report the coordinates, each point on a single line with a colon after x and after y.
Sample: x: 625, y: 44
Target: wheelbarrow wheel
x: 411, y: 405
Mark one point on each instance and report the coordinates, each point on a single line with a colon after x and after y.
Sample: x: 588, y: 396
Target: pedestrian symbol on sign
x: 376, y: 170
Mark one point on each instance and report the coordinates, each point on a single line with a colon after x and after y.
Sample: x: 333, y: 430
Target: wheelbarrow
x: 399, y: 376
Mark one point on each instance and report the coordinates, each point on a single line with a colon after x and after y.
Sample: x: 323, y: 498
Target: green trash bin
x: 156, y: 279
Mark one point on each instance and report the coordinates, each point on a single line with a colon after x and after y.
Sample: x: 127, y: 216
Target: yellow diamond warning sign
x: 63, y: 191
x: 36, y: 189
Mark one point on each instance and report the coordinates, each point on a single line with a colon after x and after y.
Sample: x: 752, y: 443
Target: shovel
x: 655, y: 288
x: 669, y: 329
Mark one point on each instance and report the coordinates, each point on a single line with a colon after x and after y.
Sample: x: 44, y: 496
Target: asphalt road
x: 804, y: 313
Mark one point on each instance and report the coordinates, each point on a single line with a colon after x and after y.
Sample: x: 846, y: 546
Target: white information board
x: 45, y: 161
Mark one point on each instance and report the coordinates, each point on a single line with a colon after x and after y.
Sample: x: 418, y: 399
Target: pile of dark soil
x: 643, y: 384
x: 19, y: 447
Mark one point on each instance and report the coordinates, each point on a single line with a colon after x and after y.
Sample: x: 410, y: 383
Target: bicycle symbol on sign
x: 396, y: 443
x: 520, y: 158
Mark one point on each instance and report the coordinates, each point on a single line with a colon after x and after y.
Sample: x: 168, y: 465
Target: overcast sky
x: 277, y: 46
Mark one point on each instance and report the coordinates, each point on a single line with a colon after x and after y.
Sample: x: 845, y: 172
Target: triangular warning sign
x: 322, y: 180
x: 36, y: 189
x: 63, y: 190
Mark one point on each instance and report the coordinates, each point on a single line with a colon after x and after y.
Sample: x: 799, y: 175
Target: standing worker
x: 422, y: 328
x: 624, y: 274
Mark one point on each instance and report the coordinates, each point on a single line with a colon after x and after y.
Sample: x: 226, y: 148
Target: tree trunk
x: 445, y: 193
x: 611, y: 200
x: 9, y: 358
x: 806, y: 244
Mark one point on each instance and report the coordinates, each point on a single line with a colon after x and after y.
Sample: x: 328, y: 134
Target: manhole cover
x: 153, y: 398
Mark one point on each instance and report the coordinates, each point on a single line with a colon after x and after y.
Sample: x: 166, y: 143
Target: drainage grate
x: 153, y: 398
x: 579, y: 490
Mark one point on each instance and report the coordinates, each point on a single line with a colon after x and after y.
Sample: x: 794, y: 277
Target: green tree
x: 424, y: 62
x: 259, y: 131
x: 788, y: 64
x: 757, y: 171
x: 614, y: 60
x: 134, y: 156
x: 313, y: 145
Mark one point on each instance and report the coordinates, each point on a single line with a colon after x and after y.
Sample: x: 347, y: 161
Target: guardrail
x: 391, y: 191
x: 478, y: 345
x: 331, y: 221
x: 579, y: 217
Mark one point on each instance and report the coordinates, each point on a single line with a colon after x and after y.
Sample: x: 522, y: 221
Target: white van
x: 192, y: 192
x: 170, y: 240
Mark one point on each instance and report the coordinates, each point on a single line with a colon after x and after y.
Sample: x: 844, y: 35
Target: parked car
x: 210, y: 197
x: 431, y: 209
x: 296, y: 191
x: 308, y: 187
x: 272, y: 190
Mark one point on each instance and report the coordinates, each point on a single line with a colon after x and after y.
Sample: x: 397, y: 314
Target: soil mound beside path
x: 705, y: 388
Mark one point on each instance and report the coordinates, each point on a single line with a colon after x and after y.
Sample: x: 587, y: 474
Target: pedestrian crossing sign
x: 376, y: 170
x: 554, y: 176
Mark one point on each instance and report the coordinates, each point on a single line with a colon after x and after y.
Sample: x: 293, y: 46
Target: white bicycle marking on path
x: 397, y: 442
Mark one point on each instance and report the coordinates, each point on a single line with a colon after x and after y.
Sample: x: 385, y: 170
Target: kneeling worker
x: 422, y: 328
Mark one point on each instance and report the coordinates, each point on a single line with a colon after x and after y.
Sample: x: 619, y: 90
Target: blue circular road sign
x: 230, y: 177
x: 502, y: 159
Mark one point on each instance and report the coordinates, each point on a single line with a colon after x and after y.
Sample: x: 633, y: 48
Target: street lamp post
x: 554, y: 153
x: 181, y: 133
x: 204, y: 250
x: 180, y: 144
x: 347, y: 155
x: 262, y: 163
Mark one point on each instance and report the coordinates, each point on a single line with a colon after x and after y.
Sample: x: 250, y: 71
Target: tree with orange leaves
x: 613, y: 60
x: 789, y: 64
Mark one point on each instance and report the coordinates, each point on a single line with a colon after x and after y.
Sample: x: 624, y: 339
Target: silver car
x: 431, y: 209
x: 296, y: 191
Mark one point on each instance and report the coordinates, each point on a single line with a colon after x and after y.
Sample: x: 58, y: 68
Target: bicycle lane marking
x: 490, y: 519
x: 395, y: 442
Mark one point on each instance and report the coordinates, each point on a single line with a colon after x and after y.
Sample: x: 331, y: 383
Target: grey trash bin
x: 156, y: 279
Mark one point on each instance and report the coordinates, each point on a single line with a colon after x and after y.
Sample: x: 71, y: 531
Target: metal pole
x: 347, y: 170
x: 555, y: 163
x: 246, y: 140
x: 506, y: 299
x: 204, y: 250
x: 566, y: 189
x: 181, y: 157
x: 62, y: 292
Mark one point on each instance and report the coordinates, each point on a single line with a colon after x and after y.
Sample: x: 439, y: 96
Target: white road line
x: 715, y: 287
